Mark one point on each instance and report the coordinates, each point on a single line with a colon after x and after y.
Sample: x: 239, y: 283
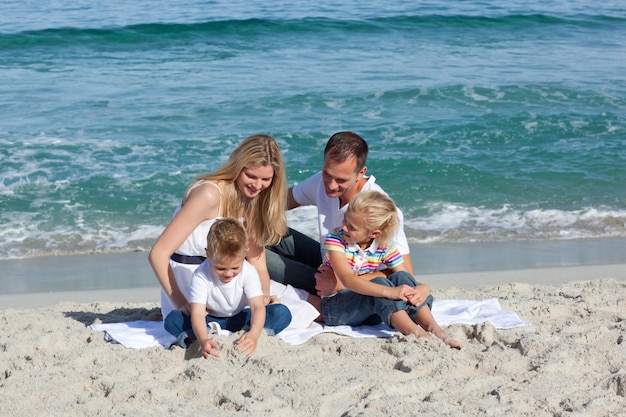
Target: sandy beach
x: 569, y: 361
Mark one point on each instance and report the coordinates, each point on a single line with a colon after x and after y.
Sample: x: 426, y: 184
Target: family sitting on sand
x: 211, y: 270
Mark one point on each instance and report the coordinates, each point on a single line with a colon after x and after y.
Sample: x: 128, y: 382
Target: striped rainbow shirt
x: 361, y: 261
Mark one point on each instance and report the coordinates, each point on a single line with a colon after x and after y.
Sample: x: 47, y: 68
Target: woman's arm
x: 256, y: 256
x: 202, y: 204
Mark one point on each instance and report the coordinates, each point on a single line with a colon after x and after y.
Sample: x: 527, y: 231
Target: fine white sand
x: 570, y: 362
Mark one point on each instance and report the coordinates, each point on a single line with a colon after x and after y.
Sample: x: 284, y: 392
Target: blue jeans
x: 277, y: 318
x: 353, y: 309
x: 294, y: 260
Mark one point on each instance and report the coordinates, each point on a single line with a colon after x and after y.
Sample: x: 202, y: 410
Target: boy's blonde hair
x: 226, y: 238
x: 265, y: 217
x: 378, y: 212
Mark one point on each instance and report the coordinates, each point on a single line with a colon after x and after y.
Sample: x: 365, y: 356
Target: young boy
x: 221, y: 289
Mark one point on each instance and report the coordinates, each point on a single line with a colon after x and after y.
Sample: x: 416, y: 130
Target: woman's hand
x: 186, y: 309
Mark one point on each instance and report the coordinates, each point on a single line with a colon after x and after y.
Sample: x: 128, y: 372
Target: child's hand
x: 400, y: 292
x: 246, y: 345
x: 272, y: 299
x: 209, y: 348
x: 417, y: 295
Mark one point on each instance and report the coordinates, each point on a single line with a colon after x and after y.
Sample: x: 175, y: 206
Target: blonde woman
x: 250, y: 186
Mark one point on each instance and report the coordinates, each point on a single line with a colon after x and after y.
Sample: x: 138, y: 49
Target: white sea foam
x: 29, y: 240
x: 25, y: 237
x: 449, y: 222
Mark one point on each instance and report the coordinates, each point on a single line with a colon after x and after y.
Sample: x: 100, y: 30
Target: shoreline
x: 431, y: 263
x: 437, y: 282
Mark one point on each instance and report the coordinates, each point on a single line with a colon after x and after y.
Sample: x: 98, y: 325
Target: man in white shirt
x: 296, y: 260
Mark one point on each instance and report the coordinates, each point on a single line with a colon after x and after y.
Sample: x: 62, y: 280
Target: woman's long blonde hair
x: 265, y: 215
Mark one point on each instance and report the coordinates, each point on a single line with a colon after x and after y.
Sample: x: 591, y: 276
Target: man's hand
x: 326, y: 283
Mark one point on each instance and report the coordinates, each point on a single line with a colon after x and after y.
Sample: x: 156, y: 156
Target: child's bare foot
x: 419, y: 332
x: 448, y: 340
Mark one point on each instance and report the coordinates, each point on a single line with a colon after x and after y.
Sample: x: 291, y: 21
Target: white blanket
x: 143, y: 334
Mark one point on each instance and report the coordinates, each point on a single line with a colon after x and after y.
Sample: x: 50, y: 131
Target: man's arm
x: 291, y: 202
x: 407, y: 263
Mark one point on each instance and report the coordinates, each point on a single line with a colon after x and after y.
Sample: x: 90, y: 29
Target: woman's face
x: 252, y: 181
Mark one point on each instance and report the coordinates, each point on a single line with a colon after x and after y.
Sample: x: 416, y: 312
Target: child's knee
x: 402, y: 278
x: 383, y: 281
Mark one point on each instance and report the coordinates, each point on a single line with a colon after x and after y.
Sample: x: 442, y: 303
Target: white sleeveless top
x: 195, y: 243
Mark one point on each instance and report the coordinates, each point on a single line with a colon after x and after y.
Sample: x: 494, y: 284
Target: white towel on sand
x: 143, y: 334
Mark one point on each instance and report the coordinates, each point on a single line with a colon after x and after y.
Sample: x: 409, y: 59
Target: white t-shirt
x: 224, y: 299
x: 310, y: 192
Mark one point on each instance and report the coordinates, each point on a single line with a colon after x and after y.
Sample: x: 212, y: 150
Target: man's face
x: 340, y: 178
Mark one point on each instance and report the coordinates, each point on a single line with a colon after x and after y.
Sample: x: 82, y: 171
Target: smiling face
x: 355, y: 230
x: 227, y: 267
x: 341, y: 179
x: 251, y: 181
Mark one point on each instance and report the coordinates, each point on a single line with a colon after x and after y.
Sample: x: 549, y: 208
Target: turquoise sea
x: 487, y: 121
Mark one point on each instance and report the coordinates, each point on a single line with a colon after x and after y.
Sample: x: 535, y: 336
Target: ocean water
x: 487, y: 121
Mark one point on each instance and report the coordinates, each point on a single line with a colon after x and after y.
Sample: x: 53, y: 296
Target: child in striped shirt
x: 369, y: 294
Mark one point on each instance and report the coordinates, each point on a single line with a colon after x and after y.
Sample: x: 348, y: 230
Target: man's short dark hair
x: 343, y: 145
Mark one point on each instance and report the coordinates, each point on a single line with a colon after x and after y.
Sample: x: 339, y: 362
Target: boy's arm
x: 198, y: 324
x: 246, y: 345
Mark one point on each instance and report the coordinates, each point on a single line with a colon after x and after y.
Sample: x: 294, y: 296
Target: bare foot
x: 448, y: 340
x: 419, y: 332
